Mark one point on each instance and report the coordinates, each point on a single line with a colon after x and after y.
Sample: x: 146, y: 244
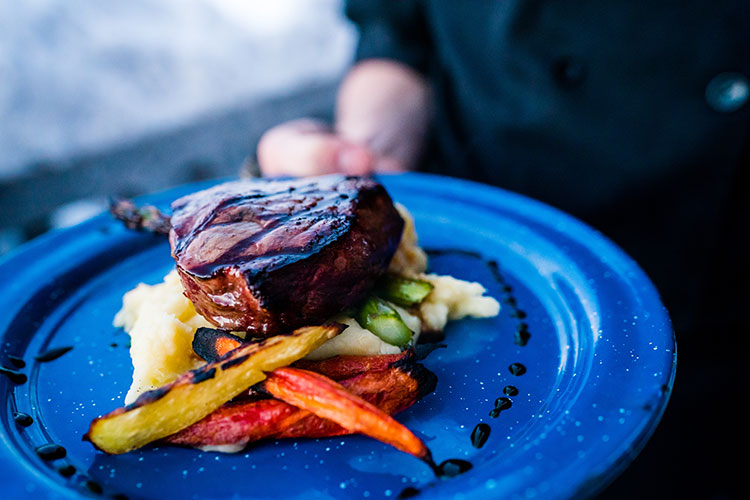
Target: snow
x: 84, y: 75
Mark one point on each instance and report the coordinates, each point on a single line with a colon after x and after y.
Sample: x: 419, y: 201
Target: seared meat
x: 269, y: 256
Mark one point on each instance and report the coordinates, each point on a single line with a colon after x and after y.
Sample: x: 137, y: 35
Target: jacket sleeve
x: 391, y: 29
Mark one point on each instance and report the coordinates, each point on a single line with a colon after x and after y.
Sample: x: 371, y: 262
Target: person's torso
x: 632, y: 115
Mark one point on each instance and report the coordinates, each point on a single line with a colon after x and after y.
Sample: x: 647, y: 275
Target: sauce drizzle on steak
x: 267, y: 256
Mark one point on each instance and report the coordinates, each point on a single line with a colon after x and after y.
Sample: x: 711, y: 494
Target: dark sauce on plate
x: 501, y: 404
x: 22, y: 419
x: 522, y: 335
x: 409, y: 492
x: 51, y: 451
x: 93, y: 486
x: 14, y: 375
x: 67, y: 471
x: 521, y: 338
x: 452, y: 467
x: 16, y: 361
x: 517, y: 369
x: 510, y: 390
x: 52, y: 354
x: 448, y: 468
x: 480, y: 434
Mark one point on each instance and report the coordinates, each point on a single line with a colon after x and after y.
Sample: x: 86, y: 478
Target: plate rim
x: 529, y: 207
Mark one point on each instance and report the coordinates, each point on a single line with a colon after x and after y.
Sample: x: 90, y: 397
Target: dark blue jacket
x: 632, y: 115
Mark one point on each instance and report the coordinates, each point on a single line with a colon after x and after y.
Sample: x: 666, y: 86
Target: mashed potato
x: 161, y: 321
x: 409, y: 259
x: 453, y: 299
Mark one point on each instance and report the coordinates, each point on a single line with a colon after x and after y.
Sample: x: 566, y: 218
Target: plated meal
x: 552, y: 397
x: 296, y: 309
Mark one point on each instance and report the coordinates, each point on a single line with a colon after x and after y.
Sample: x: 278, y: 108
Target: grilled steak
x: 269, y: 256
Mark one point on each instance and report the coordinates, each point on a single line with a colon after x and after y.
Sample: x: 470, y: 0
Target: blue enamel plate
x: 571, y: 378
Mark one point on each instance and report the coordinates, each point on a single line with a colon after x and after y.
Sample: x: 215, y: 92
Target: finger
x: 389, y: 164
x: 304, y: 148
x: 354, y: 159
x: 295, y: 148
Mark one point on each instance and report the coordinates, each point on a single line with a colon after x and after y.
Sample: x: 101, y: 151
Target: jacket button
x: 727, y: 92
x: 569, y: 72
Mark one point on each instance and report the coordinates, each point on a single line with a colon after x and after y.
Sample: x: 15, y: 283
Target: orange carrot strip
x: 243, y: 421
x: 346, y: 366
x: 211, y: 344
x: 327, y: 399
x: 225, y: 344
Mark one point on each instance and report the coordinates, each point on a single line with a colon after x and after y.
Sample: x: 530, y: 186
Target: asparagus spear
x: 384, y: 321
x: 403, y: 291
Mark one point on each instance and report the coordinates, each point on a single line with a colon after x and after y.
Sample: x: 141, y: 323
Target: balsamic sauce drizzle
x: 52, y: 354
x: 518, y: 313
x: 67, y: 470
x: 22, y: 419
x: 408, y: 492
x: 510, y: 390
x: 480, y: 434
x: 16, y: 361
x: 51, y: 452
x: 517, y: 369
x: 521, y: 337
x: 453, y: 467
x: 93, y: 486
x: 501, y: 404
x: 14, y: 375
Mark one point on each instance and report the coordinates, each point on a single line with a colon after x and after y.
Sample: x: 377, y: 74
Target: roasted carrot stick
x: 327, y: 399
x: 346, y: 366
x: 249, y: 420
x: 332, y: 408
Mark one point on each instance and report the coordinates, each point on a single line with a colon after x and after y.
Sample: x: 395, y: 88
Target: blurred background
x: 94, y: 94
x: 126, y: 97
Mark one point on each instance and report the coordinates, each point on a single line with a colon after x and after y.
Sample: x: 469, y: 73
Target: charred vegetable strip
x: 403, y: 291
x: 164, y: 411
x: 240, y: 422
x: 384, y: 321
x: 344, y: 367
x: 211, y: 344
x: 331, y: 401
x: 147, y: 217
x: 237, y: 423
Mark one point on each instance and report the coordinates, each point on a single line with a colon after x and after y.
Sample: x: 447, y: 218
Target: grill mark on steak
x: 237, y: 250
x: 259, y: 208
x: 209, y: 219
x: 264, y: 256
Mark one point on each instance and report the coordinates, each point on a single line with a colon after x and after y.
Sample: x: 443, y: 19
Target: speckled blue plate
x: 578, y: 314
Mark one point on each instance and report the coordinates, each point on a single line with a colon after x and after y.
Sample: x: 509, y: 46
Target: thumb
x: 300, y: 149
x: 354, y: 159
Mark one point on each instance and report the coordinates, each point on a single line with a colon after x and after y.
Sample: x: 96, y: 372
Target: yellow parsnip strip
x: 164, y: 411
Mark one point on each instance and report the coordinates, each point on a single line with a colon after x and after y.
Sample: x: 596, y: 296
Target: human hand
x: 309, y: 147
x: 382, y: 114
